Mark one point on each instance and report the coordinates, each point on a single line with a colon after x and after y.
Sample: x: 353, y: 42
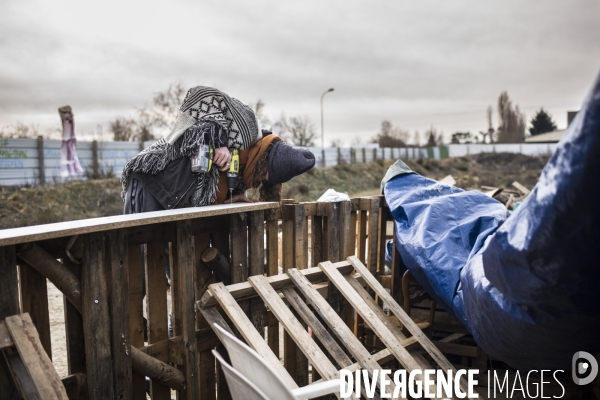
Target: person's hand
x: 239, y: 198
x: 222, y: 158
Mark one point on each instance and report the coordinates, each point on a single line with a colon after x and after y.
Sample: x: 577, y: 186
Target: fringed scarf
x: 204, y: 114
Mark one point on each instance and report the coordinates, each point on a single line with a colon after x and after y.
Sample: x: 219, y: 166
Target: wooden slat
x: 242, y: 291
x: 272, y: 245
x: 362, y: 236
x: 39, y: 366
x: 335, y: 323
x: 135, y: 306
x: 310, y: 349
x: 34, y: 300
x: 119, y: 290
x: 373, y: 242
x: 273, y: 334
x: 352, y: 249
x: 5, y: 339
x: 332, y: 232
x: 74, y: 327
x: 318, y: 329
x: 256, y: 249
x: 187, y: 268
x: 156, y: 306
x: 239, y: 248
x: 287, y: 239
x: 17, y: 374
x: 300, y: 259
x: 316, y: 240
x: 90, y: 225
x: 206, y: 361
x: 9, y: 285
x: 345, y: 209
x: 246, y: 329
x: 95, y: 303
x: 408, y: 323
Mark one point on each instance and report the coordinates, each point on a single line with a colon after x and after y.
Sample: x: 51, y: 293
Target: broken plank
x: 39, y: 367
x: 521, y: 188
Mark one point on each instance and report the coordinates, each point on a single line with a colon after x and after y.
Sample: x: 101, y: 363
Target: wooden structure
x: 333, y: 345
x: 111, y: 271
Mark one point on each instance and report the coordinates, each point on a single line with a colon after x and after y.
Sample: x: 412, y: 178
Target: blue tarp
x: 527, y: 286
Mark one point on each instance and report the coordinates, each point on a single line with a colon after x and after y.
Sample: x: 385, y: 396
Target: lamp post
x: 322, y: 137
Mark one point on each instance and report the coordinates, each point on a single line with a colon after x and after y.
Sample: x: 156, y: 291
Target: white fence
x: 21, y: 160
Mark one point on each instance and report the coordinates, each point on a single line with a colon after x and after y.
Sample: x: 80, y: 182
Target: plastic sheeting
x: 526, y: 286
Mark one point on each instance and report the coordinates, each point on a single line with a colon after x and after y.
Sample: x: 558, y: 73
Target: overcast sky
x: 417, y: 63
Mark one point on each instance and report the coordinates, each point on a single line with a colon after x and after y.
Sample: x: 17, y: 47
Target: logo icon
x: 584, y: 368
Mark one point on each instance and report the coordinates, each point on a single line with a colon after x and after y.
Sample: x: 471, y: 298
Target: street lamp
x: 323, y: 95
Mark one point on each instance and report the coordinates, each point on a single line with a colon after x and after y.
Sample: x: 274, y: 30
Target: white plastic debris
x: 332, y: 196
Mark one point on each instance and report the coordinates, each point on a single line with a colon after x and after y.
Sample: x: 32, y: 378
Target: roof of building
x: 550, y: 137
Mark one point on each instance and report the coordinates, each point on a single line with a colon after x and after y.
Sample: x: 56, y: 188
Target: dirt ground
x: 57, y: 330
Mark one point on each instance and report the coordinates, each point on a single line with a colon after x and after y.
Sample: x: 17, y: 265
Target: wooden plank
x: 362, y: 236
x: 344, y: 223
x: 9, y: 285
x: 406, y: 321
x: 39, y: 366
x: 352, y: 249
x: 300, y: 259
x: 34, y: 300
x: 206, y: 361
x: 273, y: 334
x: 373, y: 228
x: 308, y: 346
x: 119, y: 290
x: 457, y: 349
x: 256, y: 250
x: 316, y: 240
x: 246, y: 329
x: 96, y: 328
x: 521, y: 188
x: 383, y: 217
x: 336, y: 324
x: 156, y: 307
x: 239, y: 248
x: 272, y: 245
x: 242, y: 291
x: 90, y: 225
x: 187, y: 268
x: 332, y: 232
x: 338, y: 354
x: 135, y: 306
x: 287, y: 236
x: 23, y: 386
x: 378, y: 326
x: 74, y: 327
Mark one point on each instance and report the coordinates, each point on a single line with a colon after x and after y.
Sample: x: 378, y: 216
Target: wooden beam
x: 96, y: 329
x: 34, y: 300
x: 37, y: 363
x: 90, y: 225
x: 187, y: 268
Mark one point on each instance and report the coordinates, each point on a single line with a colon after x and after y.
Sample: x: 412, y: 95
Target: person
x: 161, y: 178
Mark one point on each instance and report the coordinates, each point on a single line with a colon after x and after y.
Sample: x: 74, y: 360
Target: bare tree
x: 259, y: 111
x: 417, y: 139
x: 166, y: 105
x: 300, y: 130
x: 511, y: 127
x: 19, y: 131
x: 433, y: 137
x: 123, y: 129
x: 337, y: 143
x: 389, y: 136
x: 490, y: 132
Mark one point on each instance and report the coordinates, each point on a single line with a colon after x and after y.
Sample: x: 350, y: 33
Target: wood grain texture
x: 95, y: 306
x: 74, y: 327
x: 9, y: 285
x: 135, y: 306
x: 48, y: 384
x: 70, y: 228
x: 187, y: 268
x: 156, y: 306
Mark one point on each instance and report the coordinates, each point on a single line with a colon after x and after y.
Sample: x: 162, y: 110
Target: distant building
x: 554, y: 136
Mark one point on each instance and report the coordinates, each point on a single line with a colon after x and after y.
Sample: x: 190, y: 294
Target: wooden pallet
x: 333, y: 345
x: 30, y: 367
